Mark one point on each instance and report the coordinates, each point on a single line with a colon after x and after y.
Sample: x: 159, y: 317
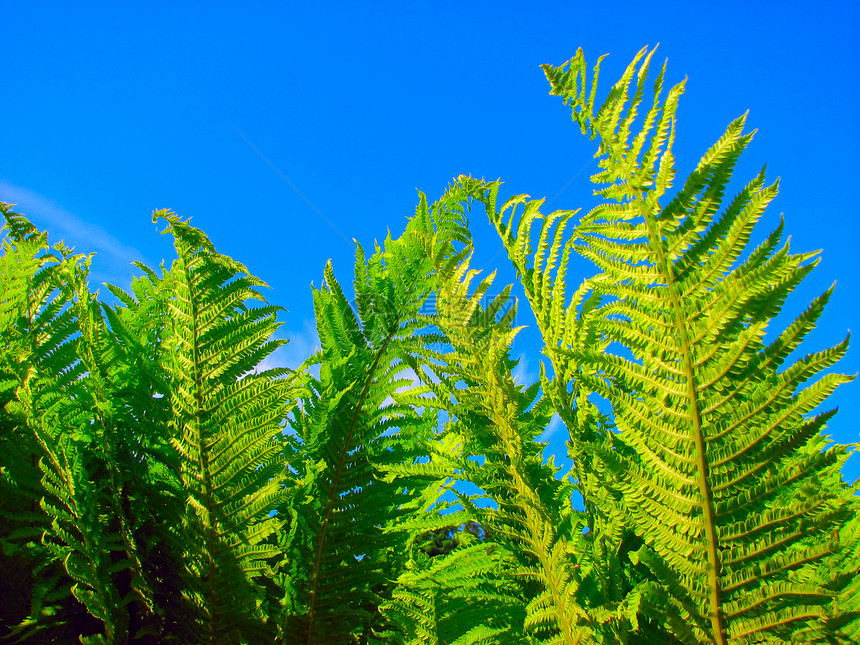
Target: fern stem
x: 203, y: 465
x: 538, y: 524
x: 715, y: 615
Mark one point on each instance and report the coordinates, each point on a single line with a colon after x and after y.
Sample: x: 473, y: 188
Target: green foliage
x: 159, y: 486
x: 362, y: 414
x: 732, y: 485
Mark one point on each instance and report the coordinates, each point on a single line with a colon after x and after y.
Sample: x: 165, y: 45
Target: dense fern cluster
x: 158, y: 487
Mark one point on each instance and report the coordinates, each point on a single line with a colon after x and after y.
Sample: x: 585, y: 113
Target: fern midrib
x: 203, y: 460
x: 535, y: 298
x: 537, y: 525
x: 90, y: 552
x: 112, y: 631
x: 537, y: 519
x: 687, y: 363
x: 141, y: 588
x: 312, y: 594
x: 559, y: 363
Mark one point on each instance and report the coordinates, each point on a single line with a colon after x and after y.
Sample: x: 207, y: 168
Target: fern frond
x: 534, y: 519
x: 725, y: 457
x: 466, y: 596
x: 225, y: 422
x: 363, y: 423
x: 53, y: 495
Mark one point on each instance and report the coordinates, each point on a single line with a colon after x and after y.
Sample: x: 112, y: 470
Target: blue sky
x: 285, y: 130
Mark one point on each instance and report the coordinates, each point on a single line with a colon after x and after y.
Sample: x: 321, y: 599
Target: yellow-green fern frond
x: 731, y: 484
x: 535, y: 519
x: 54, y: 499
x: 467, y: 596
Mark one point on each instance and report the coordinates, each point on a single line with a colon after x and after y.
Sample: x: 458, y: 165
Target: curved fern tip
x: 162, y: 213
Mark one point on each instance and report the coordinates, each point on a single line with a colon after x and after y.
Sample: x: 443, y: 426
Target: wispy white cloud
x: 555, y: 426
x: 555, y: 436
x: 302, y: 344
x: 86, y: 237
x: 522, y: 375
x: 407, y: 374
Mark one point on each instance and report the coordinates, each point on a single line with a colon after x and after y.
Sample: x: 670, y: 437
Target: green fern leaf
x: 225, y: 423
x: 361, y: 426
x: 727, y: 459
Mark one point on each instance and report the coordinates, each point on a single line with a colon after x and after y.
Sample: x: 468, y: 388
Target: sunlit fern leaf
x: 127, y: 414
x: 225, y: 422
x: 467, y: 595
x: 843, y: 575
x: 731, y: 485
x: 534, y: 519
x: 565, y: 324
x: 37, y: 359
x: 362, y: 415
x: 95, y: 492
x: 80, y: 537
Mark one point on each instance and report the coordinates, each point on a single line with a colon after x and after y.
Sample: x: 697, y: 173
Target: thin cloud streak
x: 522, y: 375
x: 302, y: 345
x: 62, y: 224
x: 555, y: 426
